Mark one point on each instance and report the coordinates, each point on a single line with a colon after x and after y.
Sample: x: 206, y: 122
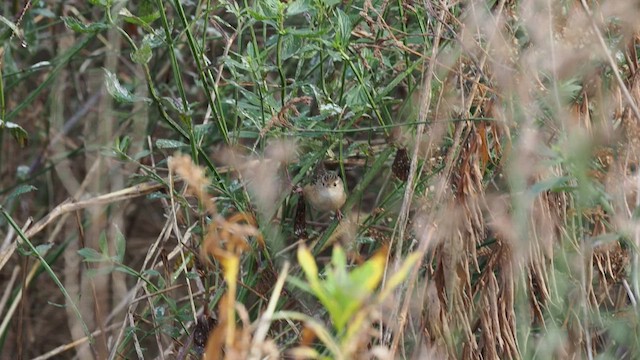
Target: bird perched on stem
x: 326, y: 192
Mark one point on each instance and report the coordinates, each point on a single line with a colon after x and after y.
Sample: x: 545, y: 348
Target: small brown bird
x: 326, y: 193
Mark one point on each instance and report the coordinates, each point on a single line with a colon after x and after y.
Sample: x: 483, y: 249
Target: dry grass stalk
x: 226, y: 239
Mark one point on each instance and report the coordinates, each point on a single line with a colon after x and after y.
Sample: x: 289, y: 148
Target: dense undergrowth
x: 151, y: 151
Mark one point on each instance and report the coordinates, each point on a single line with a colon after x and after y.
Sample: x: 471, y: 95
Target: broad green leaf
x: 202, y: 130
x: 266, y: 9
x: 298, y: 7
x: 308, y: 263
x: 43, y: 248
x: 173, y: 103
x: 570, y: 89
x: 354, y: 325
x: 103, y: 3
x: 291, y: 45
x: 142, y: 55
x: 115, y: 89
x: 147, y: 9
x: 310, y: 268
x: 339, y: 258
x: 343, y: 30
x: 149, y: 273
x: 144, y: 21
x: 77, y: 26
x: 16, y: 131
x: 169, y: 144
x: 368, y: 275
x: 91, y: 255
x: 306, y: 33
x: 330, y: 3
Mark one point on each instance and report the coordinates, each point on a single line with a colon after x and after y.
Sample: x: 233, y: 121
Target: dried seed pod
x: 299, y: 221
x: 201, y: 332
x: 401, y: 164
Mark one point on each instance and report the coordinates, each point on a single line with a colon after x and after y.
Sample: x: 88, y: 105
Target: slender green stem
x: 49, y: 271
x: 175, y: 67
x: 205, y: 75
x: 283, y: 80
x: 366, y: 89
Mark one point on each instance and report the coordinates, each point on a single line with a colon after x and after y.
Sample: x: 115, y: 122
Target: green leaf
x: 155, y: 39
x: 169, y: 144
x: 201, y: 131
x: 125, y: 269
x: 299, y: 283
x: 298, y: 7
x: 44, y: 12
x: 266, y: 10
x: 40, y: 250
x: 394, y: 83
x: 307, y: 33
x: 330, y: 3
x: 90, y: 255
x: 103, y: 244
x: 43, y: 248
x: 367, y: 276
x: 149, y: 273
x: 20, y: 190
x: 141, y: 154
x: 16, y: 31
x: 16, y: 131
x: 103, y: 3
x: 142, y: 55
x: 308, y: 264
x: 119, y: 92
x: 173, y: 103
x: 144, y: 21
x: 101, y: 271
x: 570, y: 89
x: 549, y: 184
x: 77, y: 26
x: 121, y: 246
x: 339, y: 258
x: 310, y: 268
x: 291, y: 45
x: 147, y: 9
x: 343, y: 31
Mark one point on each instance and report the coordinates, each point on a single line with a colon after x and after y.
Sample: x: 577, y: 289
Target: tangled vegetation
x: 151, y: 153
